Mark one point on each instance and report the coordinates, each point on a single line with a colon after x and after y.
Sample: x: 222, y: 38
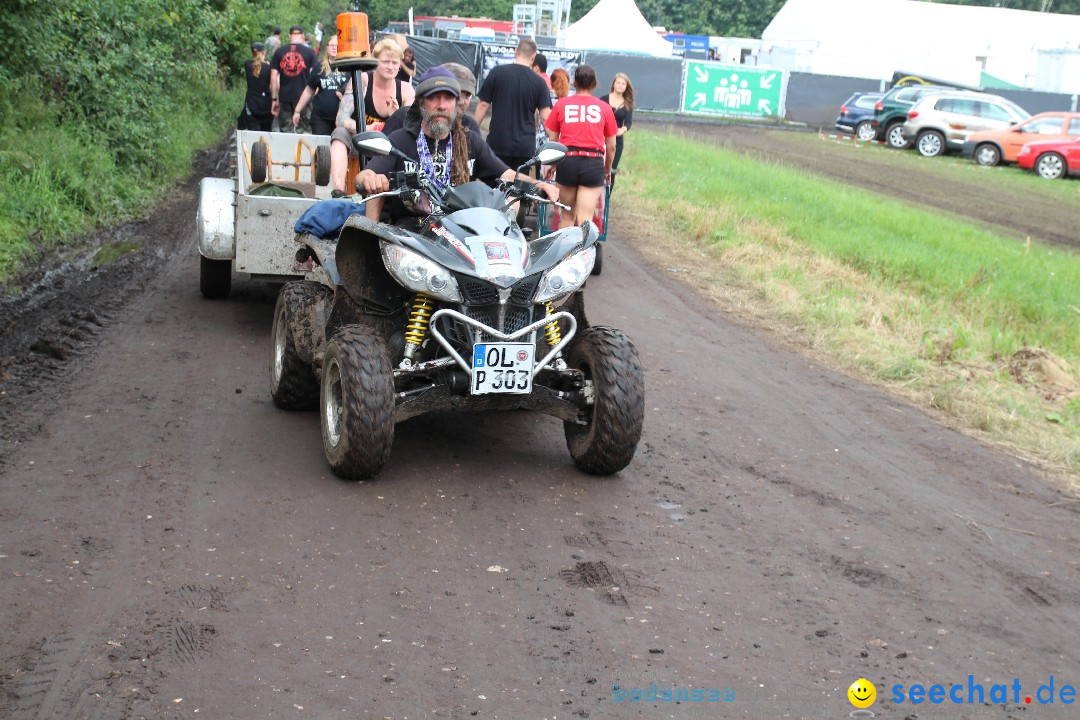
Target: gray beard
x: 437, y: 124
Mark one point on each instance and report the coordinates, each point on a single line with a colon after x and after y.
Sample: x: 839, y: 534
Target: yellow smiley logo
x: 862, y: 693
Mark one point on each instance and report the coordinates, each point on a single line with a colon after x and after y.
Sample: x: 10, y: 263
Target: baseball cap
x: 295, y: 29
x: 258, y: 46
x: 438, y: 79
x: 466, y: 79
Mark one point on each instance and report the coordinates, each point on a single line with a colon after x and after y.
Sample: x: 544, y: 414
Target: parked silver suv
x: 943, y: 121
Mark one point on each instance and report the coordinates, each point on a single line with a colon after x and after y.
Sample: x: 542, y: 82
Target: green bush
x: 106, y: 101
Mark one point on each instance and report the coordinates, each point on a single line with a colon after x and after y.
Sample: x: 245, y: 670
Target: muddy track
x: 174, y: 547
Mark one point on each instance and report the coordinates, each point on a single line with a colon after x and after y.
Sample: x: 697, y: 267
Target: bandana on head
x: 427, y: 163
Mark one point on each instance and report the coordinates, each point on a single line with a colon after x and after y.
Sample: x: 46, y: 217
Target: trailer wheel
x: 260, y: 159
x: 322, y: 165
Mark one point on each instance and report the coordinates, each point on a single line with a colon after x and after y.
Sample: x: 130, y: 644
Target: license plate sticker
x: 502, y: 368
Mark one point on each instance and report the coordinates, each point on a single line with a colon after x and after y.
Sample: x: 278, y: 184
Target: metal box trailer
x: 246, y: 222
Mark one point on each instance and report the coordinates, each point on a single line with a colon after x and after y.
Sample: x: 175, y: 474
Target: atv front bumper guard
x: 567, y: 336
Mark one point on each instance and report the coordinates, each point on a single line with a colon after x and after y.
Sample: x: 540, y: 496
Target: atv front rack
x: 505, y: 337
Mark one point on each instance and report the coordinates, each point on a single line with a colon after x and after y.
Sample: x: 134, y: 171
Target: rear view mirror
x: 372, y: 142
x: 551, y: 153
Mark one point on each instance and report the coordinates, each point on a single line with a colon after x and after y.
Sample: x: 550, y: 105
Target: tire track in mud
x: 94, y: 677
x: 63, y: 308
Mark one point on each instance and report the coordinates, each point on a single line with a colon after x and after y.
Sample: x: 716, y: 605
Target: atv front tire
x: 292, y: 380
x: 357, y: 403
x: 598, y: 264
x: 607, y: 441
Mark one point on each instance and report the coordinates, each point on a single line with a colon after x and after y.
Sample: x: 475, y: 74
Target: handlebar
x: 544, y: 200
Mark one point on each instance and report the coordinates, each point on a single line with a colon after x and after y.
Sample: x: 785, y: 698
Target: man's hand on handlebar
x: 369, y: 183
x: 550, y: 189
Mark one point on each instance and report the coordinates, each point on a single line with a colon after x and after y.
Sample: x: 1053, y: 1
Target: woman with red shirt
x: 586, y: 125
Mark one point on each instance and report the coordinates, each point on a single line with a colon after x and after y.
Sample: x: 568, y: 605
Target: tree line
x: 725, y: 18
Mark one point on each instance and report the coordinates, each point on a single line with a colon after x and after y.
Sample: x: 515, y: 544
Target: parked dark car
x: 891, y: 111
x: 856, y: 114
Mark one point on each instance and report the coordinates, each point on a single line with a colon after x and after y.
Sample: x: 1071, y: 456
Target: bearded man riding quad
x: 435, y: 139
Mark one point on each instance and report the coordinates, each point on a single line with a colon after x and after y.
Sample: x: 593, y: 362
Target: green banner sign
x: 735, y: 90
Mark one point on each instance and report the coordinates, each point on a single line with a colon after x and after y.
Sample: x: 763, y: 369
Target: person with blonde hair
x: 324, y: 91
x: 383, y: 92
x: 383, y: 95
x: 621, y: 100
x: 256, y: 113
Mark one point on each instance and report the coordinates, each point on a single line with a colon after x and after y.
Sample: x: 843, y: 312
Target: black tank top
x: 373, y: 115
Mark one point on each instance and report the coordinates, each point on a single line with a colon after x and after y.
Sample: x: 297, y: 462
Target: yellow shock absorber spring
x: 551, y: 331
x: 419, y: 318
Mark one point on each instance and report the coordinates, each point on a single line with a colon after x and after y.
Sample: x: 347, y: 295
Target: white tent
x: 615, y: 25
x: 949, y: 42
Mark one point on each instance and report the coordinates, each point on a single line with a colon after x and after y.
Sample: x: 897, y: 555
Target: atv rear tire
x: 607, y: 442
x: 215, y: 278
x: 292, y: 379
x: 357, y: 403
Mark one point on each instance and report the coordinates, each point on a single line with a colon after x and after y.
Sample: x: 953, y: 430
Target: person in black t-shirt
x: 621, y: 100
x: 325, y: 87
x: 408, y: 66
x: 435, y: 140
x: 516, y: 95
x: 256, y: 113
x: 289, y: 71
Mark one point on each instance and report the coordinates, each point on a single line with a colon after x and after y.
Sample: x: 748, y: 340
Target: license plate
x: 502, y: 368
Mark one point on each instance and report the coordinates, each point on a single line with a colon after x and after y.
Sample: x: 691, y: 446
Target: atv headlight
x: 417, y: 273
x: 567, y: 276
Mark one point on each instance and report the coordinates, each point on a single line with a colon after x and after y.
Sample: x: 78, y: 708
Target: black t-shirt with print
x: 294, y: 62
x: 326, y: 101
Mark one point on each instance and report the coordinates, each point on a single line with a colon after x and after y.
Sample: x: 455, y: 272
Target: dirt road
x: 172, y: 546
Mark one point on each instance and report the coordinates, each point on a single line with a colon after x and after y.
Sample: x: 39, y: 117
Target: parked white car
x: 942, y: 122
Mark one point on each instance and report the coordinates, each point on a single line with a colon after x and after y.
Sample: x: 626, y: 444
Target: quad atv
x: 457, y: 312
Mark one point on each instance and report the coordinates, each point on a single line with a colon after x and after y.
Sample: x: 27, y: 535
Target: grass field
x: 976, y: 326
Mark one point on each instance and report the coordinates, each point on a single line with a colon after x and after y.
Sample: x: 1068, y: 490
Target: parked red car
x: 1052, y: 159
x: 991, y: 147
